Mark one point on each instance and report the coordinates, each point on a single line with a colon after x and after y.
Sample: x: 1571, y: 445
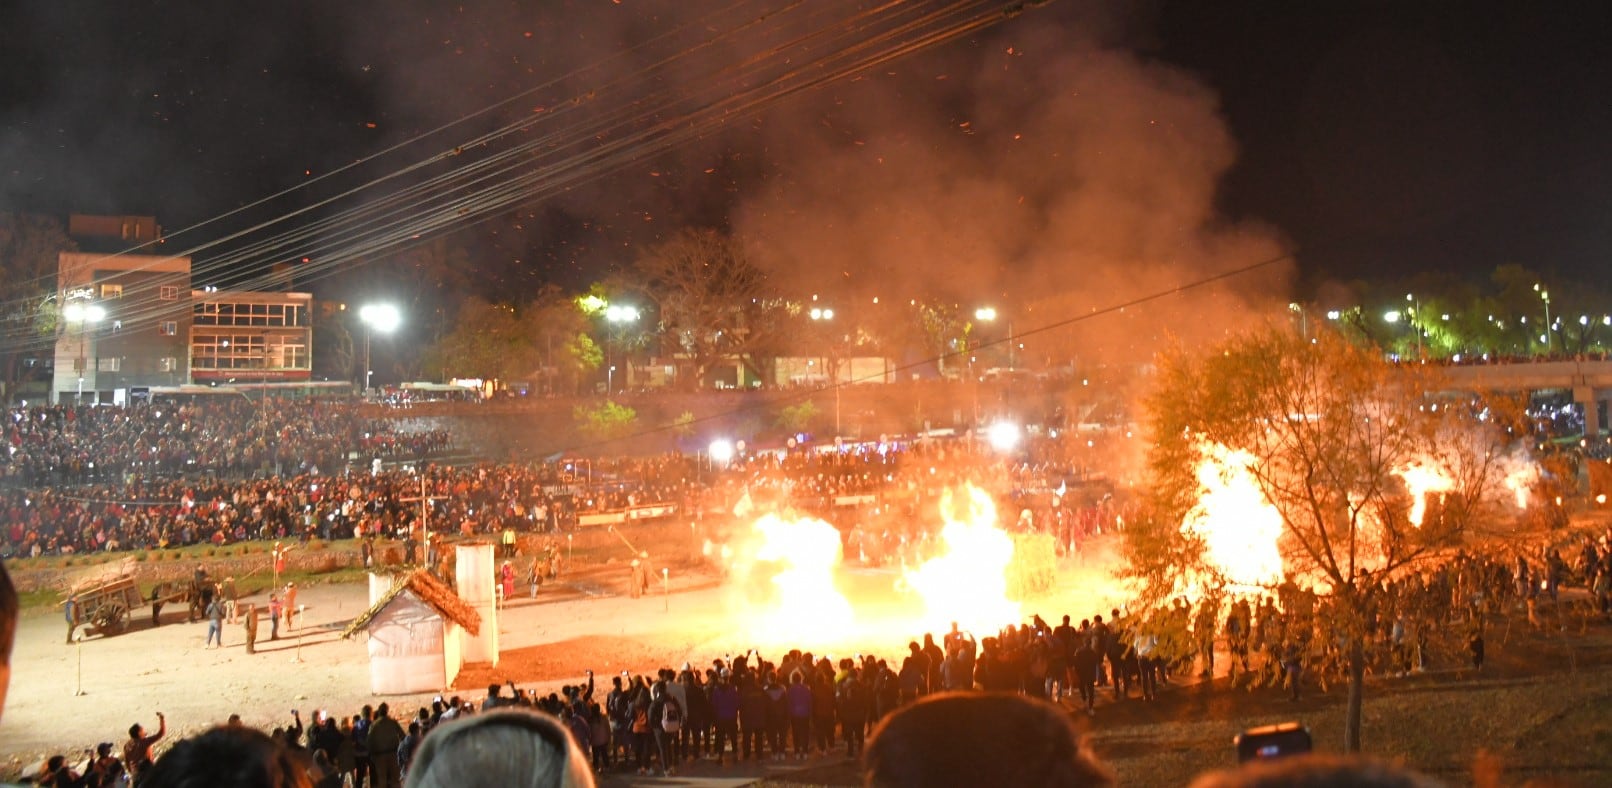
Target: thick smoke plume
x: 1042, y: 166
x: 1038, y: 169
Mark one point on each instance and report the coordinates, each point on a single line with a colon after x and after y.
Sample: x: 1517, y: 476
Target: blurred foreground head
x: 8, y: 632
x: 981, y: 739
x: 228, y: 756
x: 508, y: 748
x: 1316, y: 771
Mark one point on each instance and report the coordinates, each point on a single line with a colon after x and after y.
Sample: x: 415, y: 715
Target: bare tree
x: 29, y: 248
x: 706, y: 290
x: 1328, y: 429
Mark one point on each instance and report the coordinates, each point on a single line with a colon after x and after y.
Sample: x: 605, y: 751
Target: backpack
x: 671, y: 716
x: 640, y: 720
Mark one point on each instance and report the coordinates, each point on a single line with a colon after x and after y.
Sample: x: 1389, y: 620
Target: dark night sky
x: 1376, y: 139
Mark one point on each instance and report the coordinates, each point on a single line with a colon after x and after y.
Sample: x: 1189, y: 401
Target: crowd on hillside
x: 223, y: 436
x: 875, y: 490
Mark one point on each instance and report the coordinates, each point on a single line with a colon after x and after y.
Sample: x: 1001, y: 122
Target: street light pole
x: 85, y: 315
x: 1415, y: 321
x: 825, y: 315
x: 376, y: 317
x: 1544, y: 295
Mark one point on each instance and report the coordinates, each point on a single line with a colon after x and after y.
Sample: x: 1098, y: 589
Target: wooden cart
x: 107, y: 606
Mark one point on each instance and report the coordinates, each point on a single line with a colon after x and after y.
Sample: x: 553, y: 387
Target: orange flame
x: 798, y: 600
x: 1422, y: 478
x: 1238, y: 526
x: 967, y: 582
x: 1521, y: 482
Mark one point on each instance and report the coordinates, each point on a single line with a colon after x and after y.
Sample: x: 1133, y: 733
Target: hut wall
x: 407, y: 644
x: 475, y: 574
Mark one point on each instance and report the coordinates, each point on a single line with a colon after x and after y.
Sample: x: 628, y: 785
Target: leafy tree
x: 555, y: 322
x: 1325, y: 429
x: 580, y: 358
x: 683, y: 425
x: 797, y: 417
x: 334, y: 356
x: 945, y: 332
x: 29, y: 247
x: 707, y: 292
x: 487, y: 341
x: 605, y: 421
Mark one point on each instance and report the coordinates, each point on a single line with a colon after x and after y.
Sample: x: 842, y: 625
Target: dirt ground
x: 66, y: 698
x: 1540, y: 704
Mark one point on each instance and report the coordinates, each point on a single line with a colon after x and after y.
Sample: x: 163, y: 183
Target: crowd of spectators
x: 871, y: 490
x: 214, y: 435
x: 955, y: 712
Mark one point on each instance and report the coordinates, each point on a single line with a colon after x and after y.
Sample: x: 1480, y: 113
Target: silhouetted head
x: 981, y: 739
x: 237, y: 757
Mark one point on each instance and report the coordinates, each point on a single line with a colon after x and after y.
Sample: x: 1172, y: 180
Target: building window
x: 168, y: 292
x: 168, y: 328
x: 107, y: 364
x: 111, y: 291
x: 168, y: 364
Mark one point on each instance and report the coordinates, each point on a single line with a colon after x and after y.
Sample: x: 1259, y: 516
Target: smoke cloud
x: 1043, y: 166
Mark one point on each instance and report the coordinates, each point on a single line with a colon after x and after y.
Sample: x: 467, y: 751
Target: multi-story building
x: 250, y: 337
x: 124, y: 324
x: 130, y: 321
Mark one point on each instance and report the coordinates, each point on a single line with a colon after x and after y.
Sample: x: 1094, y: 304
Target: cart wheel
x: 111, y: 618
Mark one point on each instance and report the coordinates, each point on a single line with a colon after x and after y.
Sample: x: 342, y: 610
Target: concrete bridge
x: 1589, y: 380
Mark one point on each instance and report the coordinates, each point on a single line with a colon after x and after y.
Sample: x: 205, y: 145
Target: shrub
x: 140, y: 557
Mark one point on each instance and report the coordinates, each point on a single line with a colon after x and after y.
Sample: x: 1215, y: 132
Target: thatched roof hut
x: 417, y: 630
x: 431, y: 591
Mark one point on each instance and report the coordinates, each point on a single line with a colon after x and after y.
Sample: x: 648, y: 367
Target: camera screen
x: 1273, y: 741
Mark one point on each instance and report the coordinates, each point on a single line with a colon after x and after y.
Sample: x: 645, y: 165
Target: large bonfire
x: 789, y: 583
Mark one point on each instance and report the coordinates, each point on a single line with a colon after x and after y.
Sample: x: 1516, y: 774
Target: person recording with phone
x: 137, y: 750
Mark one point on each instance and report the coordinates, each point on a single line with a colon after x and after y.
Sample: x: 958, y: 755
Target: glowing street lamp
x: 84, y: 315
x: 987, y: 314
x: 1003, y: 436
x: 79, y: 312
x: 823, y: 315
x: 720, y: 451
x: 1544, y: 295
x: 618, y: 315
x: 376, y: 317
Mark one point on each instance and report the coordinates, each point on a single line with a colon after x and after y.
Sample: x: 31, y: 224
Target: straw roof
x: 431, y: 591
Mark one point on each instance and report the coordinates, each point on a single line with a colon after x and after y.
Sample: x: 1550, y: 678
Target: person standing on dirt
x: 137, y: 750
x: 215, y: 623
x: 274, y: 616
x: 290, y: 605
x: 250, y: 619
x: 639, y: 582
x: 70, y: 610
x: 203, y: 589
x: 231, y: 605
x: 385, y: 736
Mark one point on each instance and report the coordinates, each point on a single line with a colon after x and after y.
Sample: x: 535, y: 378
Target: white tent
x: 416, y: 635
